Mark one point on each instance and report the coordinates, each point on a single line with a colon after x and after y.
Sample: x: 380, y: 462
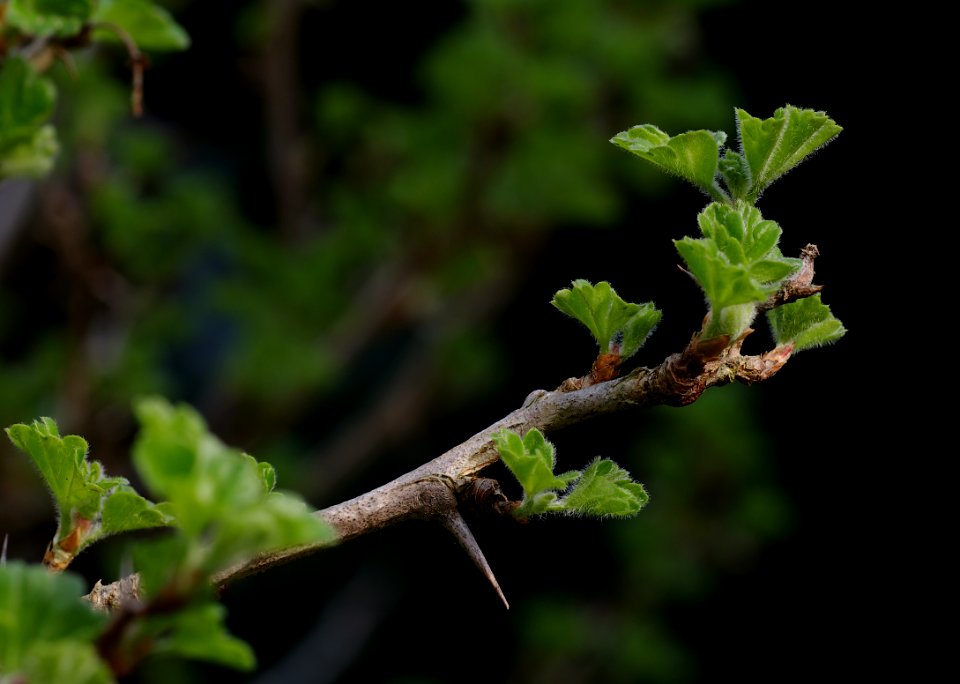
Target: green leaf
x: 724, y: 283
x: 692, y: 156
x: 41, y: 612
x: 33, y: 157
x: 805, y: 323
x: 198, y: 633
x: 158, y: 561
x: 220, y: 497
x: 531, y: 460
x: 736, y: 174
x: 65, y: 662
x: 125, y: 510
x: 774, y: 146
x: 611, y: 320
x: 43, y: 18
x: 605, y: 489
x: 90, y: 504
x: 26, y: 102
x: 150, y: 26
x: 737, y: 262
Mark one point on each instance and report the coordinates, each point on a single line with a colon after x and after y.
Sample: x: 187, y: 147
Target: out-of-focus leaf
x: 61, y: 18
x: 42, y: 619
x: 33, y: 157
x: 199, y: 633
x: 221, y: 497
x: 26, y: 101
x: 150, y: 26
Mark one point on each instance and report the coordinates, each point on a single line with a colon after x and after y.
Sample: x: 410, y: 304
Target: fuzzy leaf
x: 150, y: 26
x: 605, y: 489
x: 39, y: 610
x: 125, y: 510
x: 219, y: 496
x: 611, y: 320
x: 724, y: 283
x: 735, y: 173
x: 90, y: 504
x: 774, y: 146
x: 805, y: 323
x: 737, y: 262
x: 692, y: 156
x: 49, y: 17
x: 531, y: 460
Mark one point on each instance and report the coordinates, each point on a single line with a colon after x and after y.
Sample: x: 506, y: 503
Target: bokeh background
x: 336, y: 232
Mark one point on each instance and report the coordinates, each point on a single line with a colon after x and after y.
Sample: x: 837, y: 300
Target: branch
x: 435, y: 490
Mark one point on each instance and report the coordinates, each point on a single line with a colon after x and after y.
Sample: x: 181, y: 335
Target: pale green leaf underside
x: 605, y: 489
x: 773, y: 146
x: 692, y: 156
x: 43, y: 18
x: 805, y: 323
x: 150, y: 26
x: 610, y: 319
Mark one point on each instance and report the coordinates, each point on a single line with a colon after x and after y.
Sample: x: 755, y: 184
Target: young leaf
x: 737, y: 262
x: 531, y: 460
x: 805, y: 323
x: 44, y: 18
x: 774, y: 146
x: 150, y: 26
x: 611, y: 320
x: 43, y: 619
x: 221, y: 497
x: 692, y: 156
x: 605, y: 489
x: 82, y: 492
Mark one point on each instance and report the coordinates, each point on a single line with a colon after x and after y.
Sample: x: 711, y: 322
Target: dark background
x: 784, y: 601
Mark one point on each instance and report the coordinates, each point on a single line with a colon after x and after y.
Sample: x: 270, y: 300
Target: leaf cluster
x: 736, y: 261
x: 768, y: 148
x: 224, y: 510
x: 602, y: 489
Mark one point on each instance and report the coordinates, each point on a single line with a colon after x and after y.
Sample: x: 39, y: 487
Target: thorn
x: 3, y: 551
x: 457, y: 526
